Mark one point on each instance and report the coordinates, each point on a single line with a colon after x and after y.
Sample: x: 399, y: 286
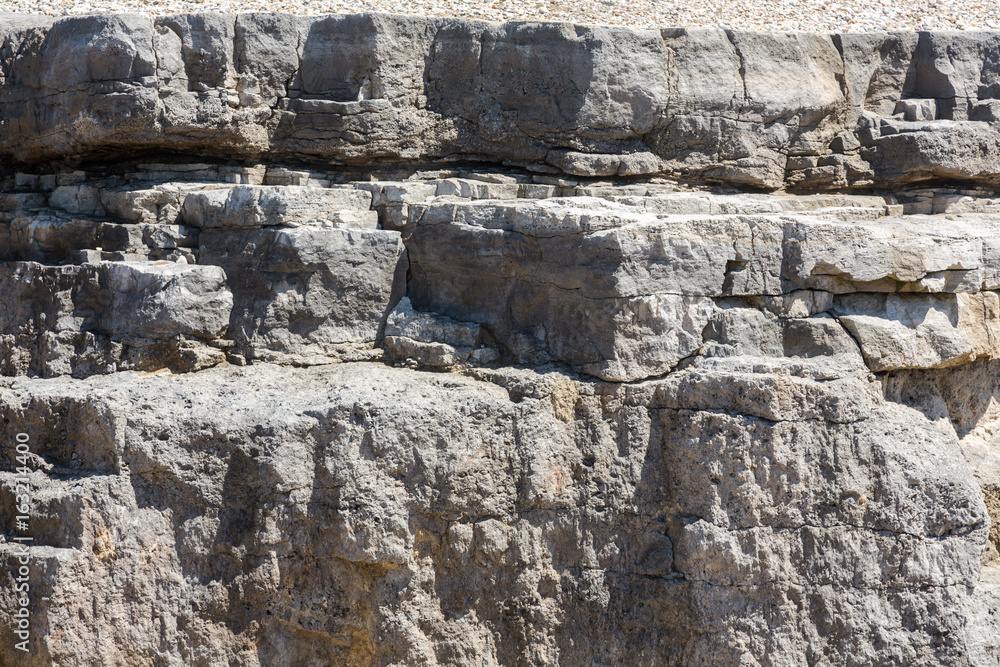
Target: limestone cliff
x: 371, y: 340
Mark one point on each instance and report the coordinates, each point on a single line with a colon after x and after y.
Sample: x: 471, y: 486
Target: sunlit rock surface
x: 374, y: 340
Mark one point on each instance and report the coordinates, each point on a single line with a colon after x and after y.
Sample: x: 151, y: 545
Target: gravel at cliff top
x: 808, y: 15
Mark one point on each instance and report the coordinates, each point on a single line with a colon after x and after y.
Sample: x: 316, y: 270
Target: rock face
x: 382, y: 341
x: 805, y: 111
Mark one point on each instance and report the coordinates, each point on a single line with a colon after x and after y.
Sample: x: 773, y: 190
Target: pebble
x: 758, y: 15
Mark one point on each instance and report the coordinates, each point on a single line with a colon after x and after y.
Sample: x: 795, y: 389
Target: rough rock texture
x: 808, y: 111
x: 369, y: 340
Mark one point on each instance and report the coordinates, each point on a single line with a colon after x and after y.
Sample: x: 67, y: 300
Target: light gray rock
x: 917, y: 109
x: 266, y: 206
x: 605, y: 287
x: 96, y: 318
x: 433, y: 341
x: 730, y: 122
x: 160, y: 204
x: 922, y: 331
x: 890, y: 255
x: 712, y: 317
x: 166, y: 299
x: 392, y: 199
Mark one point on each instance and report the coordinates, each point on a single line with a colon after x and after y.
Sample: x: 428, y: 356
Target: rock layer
x: 465, y: 343
x: 850, y: 111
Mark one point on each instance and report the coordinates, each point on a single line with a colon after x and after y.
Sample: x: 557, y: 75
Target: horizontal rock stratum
x: 389, y: 341
x: 807, y: 111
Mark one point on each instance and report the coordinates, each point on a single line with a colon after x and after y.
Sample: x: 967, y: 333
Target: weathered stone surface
x: 922, y: 331
x: 308, y: 293
x: 527, y: 505
x: 673, y: 419
x: 598, y: 285
x: 587, y: 101
x: 623, y: 290
x: 891, y: 255
x: 101, y: 317
x: 434, y: 341
x: 266, y: 206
